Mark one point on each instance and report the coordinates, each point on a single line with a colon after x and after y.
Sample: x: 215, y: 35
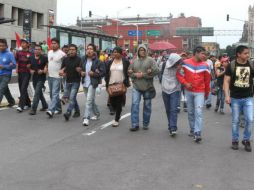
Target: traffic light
x: 90, y: 13
x: 227, y: 17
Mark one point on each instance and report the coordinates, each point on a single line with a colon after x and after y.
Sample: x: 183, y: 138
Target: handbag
x: 116, y: 89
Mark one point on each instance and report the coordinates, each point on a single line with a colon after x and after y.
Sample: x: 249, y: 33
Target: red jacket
x: 196, y: 73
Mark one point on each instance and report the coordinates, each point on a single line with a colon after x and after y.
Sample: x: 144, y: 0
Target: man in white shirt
x: 55, y: 58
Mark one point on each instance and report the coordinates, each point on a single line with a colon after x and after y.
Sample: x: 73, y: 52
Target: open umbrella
x: 161, y: 45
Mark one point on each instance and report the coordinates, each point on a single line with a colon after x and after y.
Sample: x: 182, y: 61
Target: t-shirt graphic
x: 242, y: 77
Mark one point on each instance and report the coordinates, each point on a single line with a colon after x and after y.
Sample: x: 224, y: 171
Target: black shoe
x: 112, y: 113
x: 145, y: 128
x: 172, y: 133
x: 197, y: 137
x: 178, y: 109
x: 216, y: 109
x: 32, y: 112
x: 44, y: 109
x: 235, y: 145
x: 134, y: 128
x: 208, y: 106
x: 247, y: 145
x: 191, y: 134
x: 67, y: 116
x: 11, y: 105
x: 222, y: 112
x: 76, y: 114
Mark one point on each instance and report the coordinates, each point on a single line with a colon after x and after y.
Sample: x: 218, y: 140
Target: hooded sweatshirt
x: 142, y: 65
x: 169, y: 83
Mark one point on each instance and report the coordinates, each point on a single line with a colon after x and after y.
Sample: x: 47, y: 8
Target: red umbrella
x: 162, y: 45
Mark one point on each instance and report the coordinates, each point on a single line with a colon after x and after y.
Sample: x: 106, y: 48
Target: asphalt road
x: 37, y: 153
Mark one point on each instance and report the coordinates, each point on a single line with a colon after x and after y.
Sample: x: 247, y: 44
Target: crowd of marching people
x: 188, y: 78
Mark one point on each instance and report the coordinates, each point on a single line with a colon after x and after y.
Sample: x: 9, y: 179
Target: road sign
x: 153, y: 33
x: 134, y: 33
x: 195, y: 31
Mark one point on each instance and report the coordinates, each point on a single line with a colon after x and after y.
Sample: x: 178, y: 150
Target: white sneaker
x: 19, y: 109
x: 115, y: 124
x: 94, y: 118
x: 85, y: 122
x: 49, y: 113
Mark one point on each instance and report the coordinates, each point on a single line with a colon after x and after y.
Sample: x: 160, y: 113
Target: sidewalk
x: 15, y: 92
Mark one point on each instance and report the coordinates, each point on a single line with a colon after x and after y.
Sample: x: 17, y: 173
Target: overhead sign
x: 195, y: 31
x: 153, y: 33
x: 134, y: 33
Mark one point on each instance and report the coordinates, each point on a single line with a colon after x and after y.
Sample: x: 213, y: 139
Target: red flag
x: 18, y: 41
x: 49, y: 40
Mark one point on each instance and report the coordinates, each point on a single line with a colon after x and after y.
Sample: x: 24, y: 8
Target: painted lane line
x: 1, y: 109
x: 104, y: 126
x: 111, y: 122
x: 88, y: 134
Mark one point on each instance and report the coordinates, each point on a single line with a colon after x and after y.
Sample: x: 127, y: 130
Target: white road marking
x: 88, y: 134
x: 104, y: 126
x: 111, y: 122
x: 1, y: 109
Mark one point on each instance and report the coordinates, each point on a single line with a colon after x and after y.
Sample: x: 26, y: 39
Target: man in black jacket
x: 39, y: 68
x: 71, y: 69
x: 92, y: 72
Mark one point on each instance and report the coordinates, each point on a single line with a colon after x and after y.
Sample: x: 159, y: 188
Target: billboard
x: 195, y: 31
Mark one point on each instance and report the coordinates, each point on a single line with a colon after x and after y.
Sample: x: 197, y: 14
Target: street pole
x: 81, y: 14
x: 137, y: 33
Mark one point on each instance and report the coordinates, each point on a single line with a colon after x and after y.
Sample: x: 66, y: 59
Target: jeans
x: 38, y: 95
x: 147, y: 109
x: 170, y: 102
x: 195, y: 103
x: 244, y: 105
x: 54, y: 89
x: 209, y: 99
x: 23, y: 80
x: 117, y: 103
x: 73, y: 89
x: 220, y: 98
x: 90, y: 102
x: 4, y: 89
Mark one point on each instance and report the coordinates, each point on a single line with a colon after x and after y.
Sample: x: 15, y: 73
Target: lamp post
x: 81, y: 14
x: 117, y: 15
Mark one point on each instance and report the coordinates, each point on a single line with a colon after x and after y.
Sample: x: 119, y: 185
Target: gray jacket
x: 170, y: 83
x: 142, y: 65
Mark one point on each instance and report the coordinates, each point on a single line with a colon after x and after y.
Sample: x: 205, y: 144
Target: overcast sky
x: 213, y: 13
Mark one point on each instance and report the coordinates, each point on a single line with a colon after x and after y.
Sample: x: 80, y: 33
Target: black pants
x: 38, y: 95
x: 23, y: 79
x: 117, y: 103
x: 4, y: 89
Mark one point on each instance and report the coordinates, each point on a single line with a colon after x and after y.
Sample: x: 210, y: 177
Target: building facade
x: 251, y: 30
x: 136, y: 30
x: 40, y: 16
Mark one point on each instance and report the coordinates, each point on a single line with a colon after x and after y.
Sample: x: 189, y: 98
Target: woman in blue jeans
x: 171, y: 89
